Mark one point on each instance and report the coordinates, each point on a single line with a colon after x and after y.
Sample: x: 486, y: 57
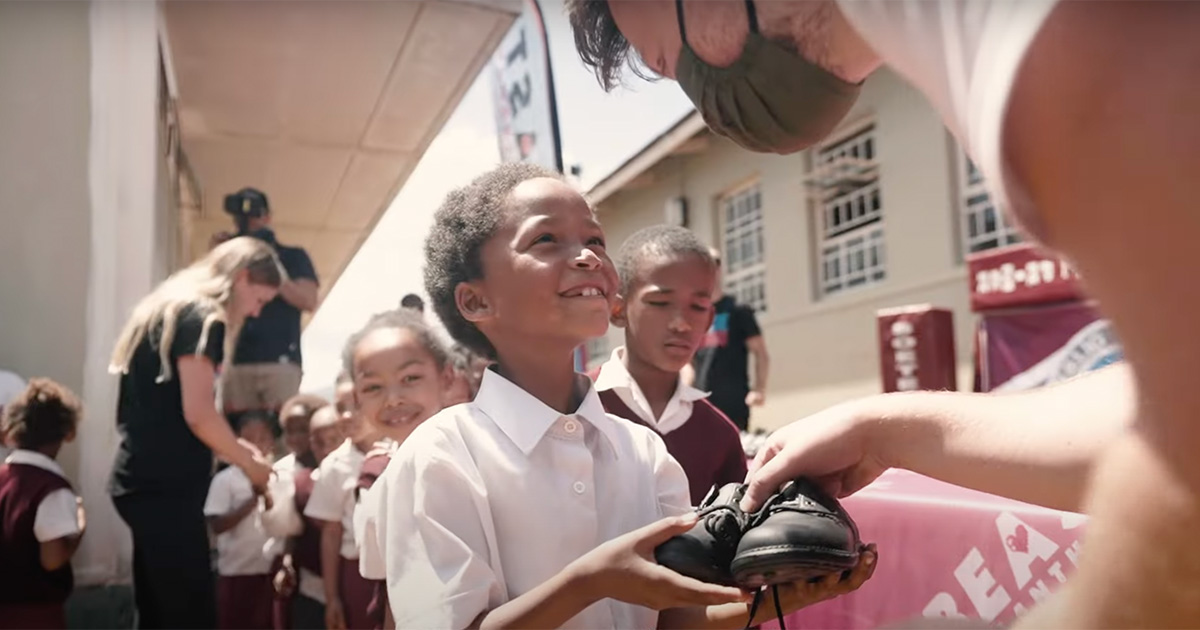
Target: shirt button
x: 570, y: 426
x: 579, y: 487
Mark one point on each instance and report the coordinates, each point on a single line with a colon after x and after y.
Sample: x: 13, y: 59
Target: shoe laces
x: 758, y: 600
x: 793, y: 500
x: 723, y: 522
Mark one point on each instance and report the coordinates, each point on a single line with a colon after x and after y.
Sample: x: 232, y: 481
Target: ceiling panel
x: 324, y: 105
x: 367, y: 186
x: 438, y: 55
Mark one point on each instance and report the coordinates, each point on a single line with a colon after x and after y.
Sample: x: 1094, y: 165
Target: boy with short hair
x: 299, y: 590
x: 41, y: 518
x: 347, y: 594
x: 530, y: 506
x: 665, y: 305
x: 245, y: 595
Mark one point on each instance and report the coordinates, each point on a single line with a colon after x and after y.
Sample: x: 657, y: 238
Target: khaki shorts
x: 257, y: 386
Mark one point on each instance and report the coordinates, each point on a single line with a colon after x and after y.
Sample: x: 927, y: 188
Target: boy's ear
x: 619, y: 316
x: 448, y: 376
x: 473, y: 304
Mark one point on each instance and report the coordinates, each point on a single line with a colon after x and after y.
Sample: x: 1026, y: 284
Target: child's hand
x: 624, y: 569
x: 335, y: 619
x: 793, y: 597
x: 285, y: 581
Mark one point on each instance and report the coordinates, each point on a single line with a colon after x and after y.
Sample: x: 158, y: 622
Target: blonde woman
x: 168, y: 357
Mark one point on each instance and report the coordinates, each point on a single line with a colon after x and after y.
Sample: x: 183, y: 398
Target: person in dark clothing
x: 266, y: 368
x: 167, y: 357
x: 722, y: 364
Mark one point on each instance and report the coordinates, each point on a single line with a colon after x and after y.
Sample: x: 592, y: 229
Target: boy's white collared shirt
x: 489, y: 499
x: 332, y: 497
x: 613, y: 375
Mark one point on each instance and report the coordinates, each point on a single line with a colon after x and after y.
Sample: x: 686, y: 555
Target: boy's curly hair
x: 45, y: 413
x: 466, y: 220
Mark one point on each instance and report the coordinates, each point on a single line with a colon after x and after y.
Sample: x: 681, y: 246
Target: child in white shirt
x: 244, y: 556
x: 347, y: 594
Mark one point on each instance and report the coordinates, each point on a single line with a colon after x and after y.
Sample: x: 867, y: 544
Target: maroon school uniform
x: 306, y: 548
x: 373, y: 466
x: 30, y: 596
x: 708, y: 445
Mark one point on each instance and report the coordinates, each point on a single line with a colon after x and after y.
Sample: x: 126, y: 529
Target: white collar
x: 613, y: 374
x: 525, y: 419
x: 34, y: 458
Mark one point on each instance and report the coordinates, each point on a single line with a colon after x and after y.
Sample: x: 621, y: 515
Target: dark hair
x: 403, y: 319
x: 600, y: 43
x: 239, y: 421
x: 308, y: 403
x: 413, y: 301
x: 466, y: 220
x: 42, y: 415
x: 663, y: 241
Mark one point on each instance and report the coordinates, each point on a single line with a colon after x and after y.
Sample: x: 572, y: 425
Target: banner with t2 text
x: 523, y: 93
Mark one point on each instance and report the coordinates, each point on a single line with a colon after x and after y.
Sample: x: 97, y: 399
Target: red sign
x: 916, y: 348
x: 1020, y: 275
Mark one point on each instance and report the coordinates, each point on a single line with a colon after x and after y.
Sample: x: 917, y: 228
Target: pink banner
x: 1030, y: 347
x: 946, y: 551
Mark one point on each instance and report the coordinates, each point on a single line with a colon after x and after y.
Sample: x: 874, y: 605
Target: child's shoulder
x: 229, y: 476
x: 443, y: 432
x: 643, y: 440
x: 713, y: 420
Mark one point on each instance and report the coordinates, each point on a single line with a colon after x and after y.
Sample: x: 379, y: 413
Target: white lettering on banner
x: 521, y: 93
x: 904, y: 354
x: 942, y: 605
x: 988, y: 597
x: 1022, y: 543
x: 1008, y: 277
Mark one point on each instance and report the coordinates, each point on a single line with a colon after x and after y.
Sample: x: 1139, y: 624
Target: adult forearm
x: 300, y: 294
x: 1036, y: 446
x: 214, y: 431
x: 762, y: 369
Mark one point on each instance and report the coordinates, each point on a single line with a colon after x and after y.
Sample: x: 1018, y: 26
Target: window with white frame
x: 984, y: 225
x: 743, y: 254
x: 851, y: 213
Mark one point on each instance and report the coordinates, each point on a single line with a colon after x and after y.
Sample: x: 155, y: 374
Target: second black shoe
x: 799, y: 533
x: 705, y: 551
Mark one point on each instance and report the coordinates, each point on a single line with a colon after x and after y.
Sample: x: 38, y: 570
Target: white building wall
x: 82, y: 213
x: 824, y: 349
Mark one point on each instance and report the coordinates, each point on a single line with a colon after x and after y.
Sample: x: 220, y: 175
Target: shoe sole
x: 784, y: 564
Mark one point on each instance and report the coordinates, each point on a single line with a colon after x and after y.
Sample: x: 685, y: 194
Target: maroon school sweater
x: 708, y: 445
x: 22, y: 578
x: 307, y: 551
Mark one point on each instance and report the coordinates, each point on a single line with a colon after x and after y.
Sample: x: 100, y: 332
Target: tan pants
x: 254, y: 386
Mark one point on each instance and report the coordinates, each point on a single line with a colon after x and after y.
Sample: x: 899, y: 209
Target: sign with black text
x: 523, y: 93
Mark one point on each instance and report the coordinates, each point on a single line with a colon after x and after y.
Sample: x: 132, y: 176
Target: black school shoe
x: 706, y: 551
x: 800, y: 533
